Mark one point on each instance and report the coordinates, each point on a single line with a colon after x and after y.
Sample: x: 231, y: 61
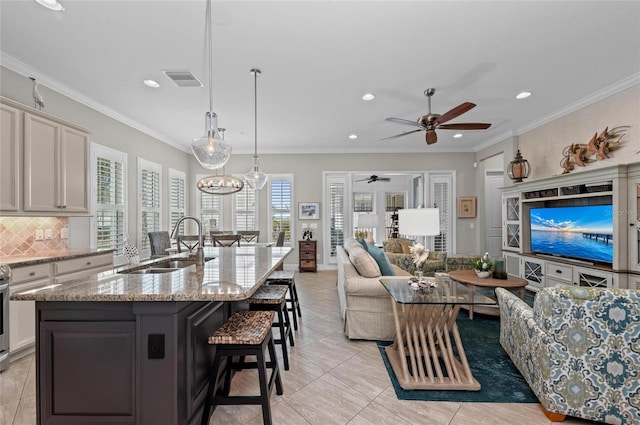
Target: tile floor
x: 332, y: 381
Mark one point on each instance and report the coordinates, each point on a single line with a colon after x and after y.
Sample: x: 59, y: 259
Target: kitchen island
x: 130, y: 348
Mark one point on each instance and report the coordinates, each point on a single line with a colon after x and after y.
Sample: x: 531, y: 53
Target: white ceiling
x: 319, y: 57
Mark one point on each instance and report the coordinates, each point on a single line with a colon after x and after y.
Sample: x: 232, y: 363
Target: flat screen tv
x: 582, y: 232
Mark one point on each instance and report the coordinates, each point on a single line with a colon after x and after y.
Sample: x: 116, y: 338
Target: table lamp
x: 368, y: 222
x: 419, y: 222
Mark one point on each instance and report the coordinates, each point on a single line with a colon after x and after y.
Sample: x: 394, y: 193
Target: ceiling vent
x: 183, y: 78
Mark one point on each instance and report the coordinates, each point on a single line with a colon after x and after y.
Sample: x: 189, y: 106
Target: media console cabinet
x: 618, y: 186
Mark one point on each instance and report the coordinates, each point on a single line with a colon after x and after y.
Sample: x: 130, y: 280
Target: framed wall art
x: 466, y: 206
x: 308, y: 210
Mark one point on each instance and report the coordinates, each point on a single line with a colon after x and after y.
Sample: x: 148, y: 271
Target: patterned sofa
x: 578, y: 349
x: 397, y: 249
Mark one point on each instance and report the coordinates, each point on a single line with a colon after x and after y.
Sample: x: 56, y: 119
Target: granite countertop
x: 48, y: 256
x: 234, y: 274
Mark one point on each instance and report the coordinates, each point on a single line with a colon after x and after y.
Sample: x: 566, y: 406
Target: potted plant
x: 483, y: 266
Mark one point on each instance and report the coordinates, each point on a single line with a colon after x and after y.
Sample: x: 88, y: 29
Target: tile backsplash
x: 18, y: 235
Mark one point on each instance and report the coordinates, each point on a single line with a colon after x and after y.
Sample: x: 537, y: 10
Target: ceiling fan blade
x: 384, y: 179
x: 431, y: 137
x: 453, y: 113
x: 465, y: 126
x: 403, y: 121
x: 401, y: 134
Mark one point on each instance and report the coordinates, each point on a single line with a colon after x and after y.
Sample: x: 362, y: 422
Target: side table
x: 470, y: 279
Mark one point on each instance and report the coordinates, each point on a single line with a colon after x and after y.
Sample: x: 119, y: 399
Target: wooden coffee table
x: 469, y: 278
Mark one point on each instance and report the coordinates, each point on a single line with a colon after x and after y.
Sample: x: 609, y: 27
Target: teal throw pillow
x: 383, y: 261
x: 363, y: 243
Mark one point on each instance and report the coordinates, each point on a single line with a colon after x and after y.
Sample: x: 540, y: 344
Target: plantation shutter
x: 336, y: 192
x: 149, y: 192
x: 441, y: 196
x: 245, y: 210
x: 110, y: 206
x: 280, y: 192
x: 176, y: 198
x: 210, y: 211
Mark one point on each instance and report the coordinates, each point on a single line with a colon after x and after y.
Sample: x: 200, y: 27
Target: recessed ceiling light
x: 353, y: 136
x: 152, y: 83
x: 51, y: 5
x: 368, y: 96
x: 457, y: 135
x: 523, y: 95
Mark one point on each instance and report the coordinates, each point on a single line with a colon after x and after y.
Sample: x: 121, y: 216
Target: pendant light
x: 220, y: 184
x: 255, y: 179
x: 211, y: 151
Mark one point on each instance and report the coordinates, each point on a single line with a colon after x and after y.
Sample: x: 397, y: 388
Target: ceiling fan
x: 373, y: 178
x: 432, y: 122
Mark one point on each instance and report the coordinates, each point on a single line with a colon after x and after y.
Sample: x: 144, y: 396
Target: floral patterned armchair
x: 578, y: 349
x: 397, y: 250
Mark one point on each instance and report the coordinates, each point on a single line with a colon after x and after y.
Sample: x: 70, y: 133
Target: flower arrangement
x: 419, y: 254
x: 483, y: 264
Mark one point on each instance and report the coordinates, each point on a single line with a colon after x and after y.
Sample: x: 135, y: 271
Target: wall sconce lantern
x: 518, y: 169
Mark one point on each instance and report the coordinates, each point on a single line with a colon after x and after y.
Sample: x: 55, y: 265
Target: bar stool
x: 246, y: 333
x: 287, y: 278
x: 273, y: 298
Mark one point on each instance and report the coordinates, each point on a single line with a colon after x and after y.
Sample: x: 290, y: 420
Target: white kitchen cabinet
x: 511, y: 222
x: 77, y: 268
x: 22, y: 319
x: 9, y: 158
x: 56, y: 166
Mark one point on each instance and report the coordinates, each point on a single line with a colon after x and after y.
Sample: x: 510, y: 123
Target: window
x: 280, y: 192
x: 441, y: 190
x: 245, y: 217
x: 177, y: 183
x: 148, y: 202
x: 210, y: 208
x: 109, y: 200
x: 335, y: 191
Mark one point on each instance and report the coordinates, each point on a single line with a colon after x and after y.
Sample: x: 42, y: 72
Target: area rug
x: 500, y: 380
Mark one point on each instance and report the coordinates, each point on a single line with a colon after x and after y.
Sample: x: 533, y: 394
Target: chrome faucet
x: 199, y: 250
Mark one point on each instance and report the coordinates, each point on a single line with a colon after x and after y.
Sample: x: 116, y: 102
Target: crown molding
x: 22, y: 68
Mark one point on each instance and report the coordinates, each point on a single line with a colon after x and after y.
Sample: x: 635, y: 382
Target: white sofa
x: 365, y: 305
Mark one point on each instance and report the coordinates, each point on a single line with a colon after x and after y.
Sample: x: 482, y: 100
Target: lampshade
x: 255, y: 178
x: 419, y: 222
x: 368, y: 221
x: 518, y: 169
x: 211, y: 151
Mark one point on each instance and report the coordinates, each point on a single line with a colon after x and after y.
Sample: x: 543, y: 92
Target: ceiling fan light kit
x: 211, y: 151
x: 255, y: 178
x: 431, y: 122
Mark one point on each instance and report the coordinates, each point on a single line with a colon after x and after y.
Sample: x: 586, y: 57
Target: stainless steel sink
x: 173, y: 264
x: 151, y: 271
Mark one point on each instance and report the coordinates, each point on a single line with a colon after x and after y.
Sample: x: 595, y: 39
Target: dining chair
x: 159, y: 242
x: 226, y: 240
x: 249, y: 236
x: 280, y: 242
x: 188, y: 241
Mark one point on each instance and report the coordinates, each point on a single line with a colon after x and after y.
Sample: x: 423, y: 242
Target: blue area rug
x: 500, y: 380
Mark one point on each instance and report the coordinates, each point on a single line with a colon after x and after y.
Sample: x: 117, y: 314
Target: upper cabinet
x: 53, y: 175
x: 9, y: 158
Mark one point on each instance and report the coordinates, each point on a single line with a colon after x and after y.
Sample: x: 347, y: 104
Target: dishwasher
x: 5, y: 279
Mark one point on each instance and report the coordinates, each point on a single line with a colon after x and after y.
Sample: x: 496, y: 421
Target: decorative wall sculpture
x: 598, y: 148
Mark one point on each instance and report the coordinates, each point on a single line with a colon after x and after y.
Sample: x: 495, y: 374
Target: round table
x: 470, y: 279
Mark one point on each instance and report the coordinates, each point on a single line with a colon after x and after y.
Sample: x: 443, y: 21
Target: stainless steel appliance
x: 5, y: 279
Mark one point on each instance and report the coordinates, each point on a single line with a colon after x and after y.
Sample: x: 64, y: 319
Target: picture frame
x: 466, y: 206
x: 308, y: 210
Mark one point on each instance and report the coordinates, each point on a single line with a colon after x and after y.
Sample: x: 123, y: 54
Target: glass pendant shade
x: 211, y: 151
x: 255, y: 178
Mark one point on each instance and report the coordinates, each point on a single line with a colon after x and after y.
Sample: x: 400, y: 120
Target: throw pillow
x: 437, y: 255
x: 364, y: 262
x: 392, y: 245
x: 363, y: 243
x: 406, y: 245
x: 383, y: 261
x: 349, y: 243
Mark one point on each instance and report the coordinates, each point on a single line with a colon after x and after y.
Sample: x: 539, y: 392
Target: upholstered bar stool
x: 246, y: 333
x: 287, y: 278
x: 273, y: 298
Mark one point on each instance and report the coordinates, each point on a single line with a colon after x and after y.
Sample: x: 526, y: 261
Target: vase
x: 483, y: 274
x: 419, y: 275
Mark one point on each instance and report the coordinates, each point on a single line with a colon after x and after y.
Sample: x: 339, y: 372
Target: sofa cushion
x: 364, y: 262
x: 350, y: 243
x: 383, y: 261
x: 398, y: 245
x: 437, y: 255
